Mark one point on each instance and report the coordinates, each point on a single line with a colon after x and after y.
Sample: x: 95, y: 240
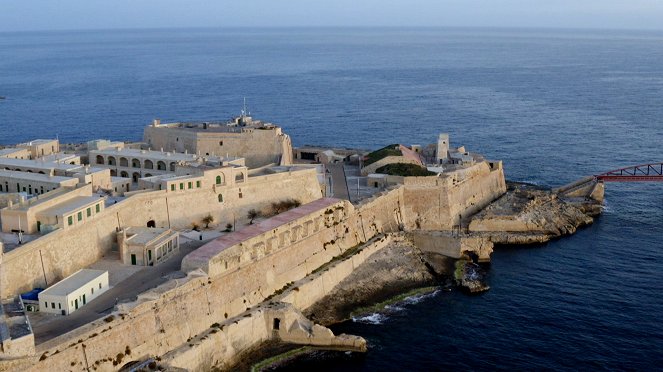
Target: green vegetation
x: 284, y: 205
x: 252, y: 214
x: 391, y: 150
x: 405, y: 170
x: 394, y: 300
x: 208, y: 220
x: 267, y: 363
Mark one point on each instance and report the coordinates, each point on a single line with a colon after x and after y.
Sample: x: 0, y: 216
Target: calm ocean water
x: 554, y: 105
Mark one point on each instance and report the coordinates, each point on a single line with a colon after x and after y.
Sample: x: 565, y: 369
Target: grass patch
x: 393, y: 300
x: 278, y: 359
x: 391, y: 150
x: 405, y: 170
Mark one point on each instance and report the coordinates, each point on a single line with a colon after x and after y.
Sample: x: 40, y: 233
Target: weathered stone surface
x: 526, y: 215
x: 393, y: 270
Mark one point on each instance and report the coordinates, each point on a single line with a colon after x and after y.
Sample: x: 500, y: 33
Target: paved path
x: 339, y: 183
x: 128, y: 289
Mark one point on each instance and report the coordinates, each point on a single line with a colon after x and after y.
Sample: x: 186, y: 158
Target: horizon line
x: 362, y: 27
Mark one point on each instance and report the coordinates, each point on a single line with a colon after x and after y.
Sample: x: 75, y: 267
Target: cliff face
x: 526, y: 214
x: 396, y: 269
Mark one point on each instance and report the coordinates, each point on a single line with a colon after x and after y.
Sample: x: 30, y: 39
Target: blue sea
x: 555, y: 105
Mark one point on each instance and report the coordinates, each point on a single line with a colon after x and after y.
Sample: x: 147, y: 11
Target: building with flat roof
x: 147, y: 246
x: 100, y: 178
x: 136, y: 163
x: 41, y: 147
x: 14, y: 153
x: 258, y: 142
x: 32, y: 183
x: 64, y: 208
x: 73, y: 292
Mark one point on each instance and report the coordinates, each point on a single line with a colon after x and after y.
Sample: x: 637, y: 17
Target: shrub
x: 208, y: 220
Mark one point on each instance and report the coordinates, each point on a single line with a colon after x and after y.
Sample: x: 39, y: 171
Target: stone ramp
x: 339, y: 182
x: 587, y: 187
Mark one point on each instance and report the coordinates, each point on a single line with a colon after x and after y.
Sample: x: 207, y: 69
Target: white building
x: 73, y: 292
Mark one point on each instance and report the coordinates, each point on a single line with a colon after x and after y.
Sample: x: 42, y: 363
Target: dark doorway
x: 133, y: 259
x: 308, y: 155
x: 277, y: 323
x: 76, y: 304
x: 84, y: 300
x: 151, y: 223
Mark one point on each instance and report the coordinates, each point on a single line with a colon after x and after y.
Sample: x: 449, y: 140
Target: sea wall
x: 440, y: 203
x: 54, y: 256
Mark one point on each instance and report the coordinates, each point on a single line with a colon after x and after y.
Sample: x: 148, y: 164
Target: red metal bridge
x: 636, y: 173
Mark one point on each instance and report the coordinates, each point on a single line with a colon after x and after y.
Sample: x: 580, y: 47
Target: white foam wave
x: 374, y: 318
x: 418, y: 298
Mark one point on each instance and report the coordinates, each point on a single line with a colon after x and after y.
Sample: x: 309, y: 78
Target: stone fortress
x: 200, y: 297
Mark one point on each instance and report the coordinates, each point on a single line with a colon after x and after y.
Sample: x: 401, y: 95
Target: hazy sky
x: 18, y: 15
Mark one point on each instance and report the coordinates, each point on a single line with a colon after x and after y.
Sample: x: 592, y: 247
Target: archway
x: 124, y: 162
x: 124, y: 174
x: 135, y: 177
x: 111, y: 160
x: 239, y: 178
x: 100, y: 159
x: 135, y: 163
x: 148, y: 164
x: 161, y: 165
x: 151, y: 223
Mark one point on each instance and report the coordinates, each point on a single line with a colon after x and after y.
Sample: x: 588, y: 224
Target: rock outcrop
x: 527, y: 214
x: 396, y: 269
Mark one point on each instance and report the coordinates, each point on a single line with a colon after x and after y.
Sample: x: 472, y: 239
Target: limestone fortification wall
x: 436, y: 203
x: 54, y: 256
x: 189, y: 306
x: 168, y: 317
x: 258, y: 146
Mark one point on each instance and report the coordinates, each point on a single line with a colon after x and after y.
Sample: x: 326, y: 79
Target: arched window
x: 219, y: 179
x: 135, y: 177
x: 239, y: 177
x: 135, y: 163
x: 161, y: 165
x: 148, y: 164
x: 124, y: 162
x: 151, y: 223
x: 220, y: 197
x: 100, y: 159
x: 124, y: 174
x: 113, y: 173
x: 172, y: 167
x: 111, y: 160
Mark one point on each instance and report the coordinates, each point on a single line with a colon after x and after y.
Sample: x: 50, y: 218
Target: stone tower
x: 442, y: 148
